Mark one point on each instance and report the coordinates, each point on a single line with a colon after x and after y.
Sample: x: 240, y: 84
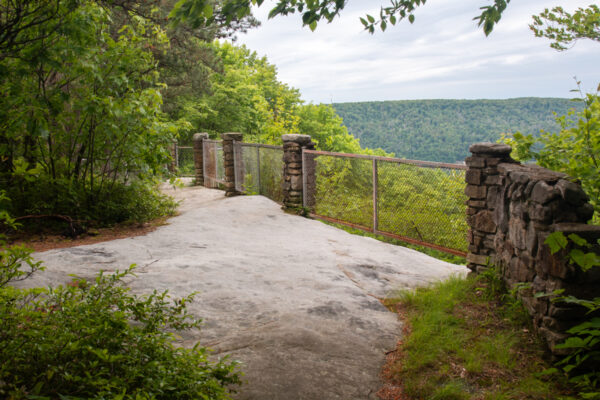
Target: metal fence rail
x: 259, y: 169
x: 417, y: 202
x: 213, y: 163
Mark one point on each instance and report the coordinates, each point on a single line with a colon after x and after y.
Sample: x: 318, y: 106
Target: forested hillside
x: 442, y: 130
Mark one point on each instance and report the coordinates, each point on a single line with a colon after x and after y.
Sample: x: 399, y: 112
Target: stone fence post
x: 198, y: 143
x: 229, y: 162
x: 292, y: 169
x: 172, y: 166
x: 483, y: 182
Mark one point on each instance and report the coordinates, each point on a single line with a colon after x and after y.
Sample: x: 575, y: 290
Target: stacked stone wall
x: 229, y: 161
x: 511, y: 210
x: 292, y: 170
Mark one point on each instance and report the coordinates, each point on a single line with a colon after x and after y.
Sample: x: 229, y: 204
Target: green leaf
x: 411, y: 18
x: 556, y: 241
x: 578, y: 240
x: 207, y: 10
x: 313, y: 26
x: 370, y: 18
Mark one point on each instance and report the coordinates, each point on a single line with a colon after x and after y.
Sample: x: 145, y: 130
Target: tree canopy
x: 204, y: 12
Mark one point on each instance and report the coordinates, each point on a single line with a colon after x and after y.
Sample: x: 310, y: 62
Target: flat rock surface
x: 294, y: 300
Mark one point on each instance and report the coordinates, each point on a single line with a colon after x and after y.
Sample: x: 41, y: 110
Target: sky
x: 442, y: 55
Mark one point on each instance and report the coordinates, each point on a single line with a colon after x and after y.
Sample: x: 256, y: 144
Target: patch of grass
x: 465, y: 338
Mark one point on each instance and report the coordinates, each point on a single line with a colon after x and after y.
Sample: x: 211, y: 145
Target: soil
x: 49, y: 241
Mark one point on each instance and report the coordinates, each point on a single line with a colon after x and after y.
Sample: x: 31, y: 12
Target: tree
x: 564, y: 28
x: 205, y: 12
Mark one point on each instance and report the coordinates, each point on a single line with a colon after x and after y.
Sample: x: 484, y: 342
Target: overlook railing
x: 417, y: 202
x: 259, y: 169
x: 213, y: 164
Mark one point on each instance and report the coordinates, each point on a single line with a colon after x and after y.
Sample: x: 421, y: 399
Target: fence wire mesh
x: 259, y: 170
x: 214, y: 170
x: 185, y: 161
x: 342, y: 188
x: 423, y: 203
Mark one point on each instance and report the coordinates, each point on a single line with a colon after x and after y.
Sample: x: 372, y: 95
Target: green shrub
x: 95, y: 340
x: 136, y: 201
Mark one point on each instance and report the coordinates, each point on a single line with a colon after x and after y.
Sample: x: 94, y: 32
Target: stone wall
x: 511, y: 210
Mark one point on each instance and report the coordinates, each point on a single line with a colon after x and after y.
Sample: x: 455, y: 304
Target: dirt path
x: 295, y: 300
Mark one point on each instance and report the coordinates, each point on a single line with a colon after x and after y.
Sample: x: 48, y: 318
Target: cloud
x: 442, y: 55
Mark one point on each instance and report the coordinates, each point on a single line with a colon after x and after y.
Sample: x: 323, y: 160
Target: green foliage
x: 442, y: 130
x: 582, y: 364
x: 573, y: 150
x: 204, y: 12
x: 95, y: 340
x: 564, y: 28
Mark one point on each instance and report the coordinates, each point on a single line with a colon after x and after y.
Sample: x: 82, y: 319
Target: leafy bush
x: 582, y: 364
x: 574, y: 150
x: 137, y: 201
x: 95, y: 340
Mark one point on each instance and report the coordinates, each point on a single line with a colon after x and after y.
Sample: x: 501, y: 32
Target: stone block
x: 296, y: 183
x: 475, y: 162
x: 299, y: 139
x: 540, y: 213
x: 228, y: 136
x: 494, y: 180
x: 484, y: 221
x: 497, y: 150
x: 571, y: 192
x: 493, y: 161
x: 477, y: 259
x: 543, y: 193
x: 517, y: 233
x: 492, y: 197
x: 585, y: 212
x: 292, y: 157
x: 476, y: 192
x: 531, y: 239
x: 473, y: 176
x: 476, y: 203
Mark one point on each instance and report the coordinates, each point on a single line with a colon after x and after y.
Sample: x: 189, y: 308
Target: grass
x: 465, y: 339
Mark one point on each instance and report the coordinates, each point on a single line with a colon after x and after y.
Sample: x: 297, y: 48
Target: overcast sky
x: 442, y: 55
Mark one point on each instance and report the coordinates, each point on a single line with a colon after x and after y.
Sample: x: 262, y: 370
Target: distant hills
x: 442, y: 130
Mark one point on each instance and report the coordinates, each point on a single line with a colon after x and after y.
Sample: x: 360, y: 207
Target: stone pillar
x: 229, y: 162
x: 483, y: 187
x: 198, y: 141
x: 292, y: 169
x: 172, y: 166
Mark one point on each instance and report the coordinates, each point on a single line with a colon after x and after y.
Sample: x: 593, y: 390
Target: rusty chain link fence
x: 414, y: 201
x: 259, y: 170
x: 213, y: 163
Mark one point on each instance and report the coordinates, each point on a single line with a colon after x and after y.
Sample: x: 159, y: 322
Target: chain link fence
x: 417, y: 202
x: 259, y: 170
x: 185, y: 161
x: 213, y: 163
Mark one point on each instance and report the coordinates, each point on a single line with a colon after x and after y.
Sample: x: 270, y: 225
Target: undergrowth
x: 467, y: 339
